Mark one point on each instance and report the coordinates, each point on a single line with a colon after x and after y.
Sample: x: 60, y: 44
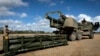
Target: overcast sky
x: 29, y: 14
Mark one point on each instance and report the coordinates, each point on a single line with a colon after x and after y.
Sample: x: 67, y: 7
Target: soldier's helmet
x: 6, y: 25
x: 84, y: 20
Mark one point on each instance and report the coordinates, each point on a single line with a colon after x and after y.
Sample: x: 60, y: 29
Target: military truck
x: 70, y: 27
x: 88, y: 28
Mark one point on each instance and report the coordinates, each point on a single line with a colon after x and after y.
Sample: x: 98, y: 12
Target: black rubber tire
x: 72, y: 37
x: 78, y: 36
x: 91, y: 36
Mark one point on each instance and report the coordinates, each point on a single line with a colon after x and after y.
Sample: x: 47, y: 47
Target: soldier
x: 6, y: 30
x: 84, y: 21
x: 6, y: 40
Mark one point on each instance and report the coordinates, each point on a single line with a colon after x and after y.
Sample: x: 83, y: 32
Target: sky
x: 30, y: 14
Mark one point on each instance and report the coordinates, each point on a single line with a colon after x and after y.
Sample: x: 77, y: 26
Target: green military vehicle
x: 70, y: 27
x: 88, y: 27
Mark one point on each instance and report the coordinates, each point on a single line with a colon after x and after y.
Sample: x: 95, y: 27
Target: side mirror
x: 96, y: 26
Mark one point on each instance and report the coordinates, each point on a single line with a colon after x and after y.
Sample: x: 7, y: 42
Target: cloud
x: 81, y: 16
x: 97, y: 18
x: 6, y: 6
x: 52, y: 4
x: 46, y: 1
x: 92, y: 0
x: 13, y: 24
x: 43, y: 24
x: 10, y: 22
x: 68, y: 8
x: 23, y: 15
x: 37, y: 18
x: 5, y: 12
x: 61, y: 2
x: 70, y: 16
x: 10, y: 3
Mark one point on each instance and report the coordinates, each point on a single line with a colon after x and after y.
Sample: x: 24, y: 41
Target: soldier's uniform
x: 6, y: 31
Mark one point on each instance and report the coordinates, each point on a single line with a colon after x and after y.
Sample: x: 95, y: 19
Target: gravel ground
x: 88, y: 47
x: 84, y: 47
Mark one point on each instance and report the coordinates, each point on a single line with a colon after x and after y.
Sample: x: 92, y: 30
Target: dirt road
x: 84, y: 47
x: 88, y: 47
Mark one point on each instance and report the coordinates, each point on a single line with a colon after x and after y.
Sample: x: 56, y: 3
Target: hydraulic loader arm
x: 55, y: 23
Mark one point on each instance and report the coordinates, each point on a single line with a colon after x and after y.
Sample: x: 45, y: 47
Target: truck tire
x: 78, y: 36
x: 72, y: 37
x: 91, y: 36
